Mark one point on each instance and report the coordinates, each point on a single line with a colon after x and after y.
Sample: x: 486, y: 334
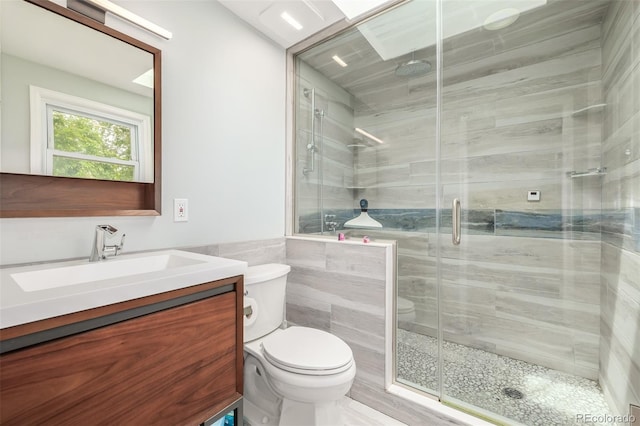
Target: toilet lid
x: 307, y: 350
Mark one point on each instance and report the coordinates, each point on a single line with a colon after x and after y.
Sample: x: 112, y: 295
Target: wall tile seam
x: 342, y: 302
x: 314, y: 271
x: 617, y: 291
x: 620, y: 248
x: 612, y: 78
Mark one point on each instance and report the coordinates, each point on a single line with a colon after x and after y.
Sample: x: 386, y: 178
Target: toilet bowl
x: 293, y: 376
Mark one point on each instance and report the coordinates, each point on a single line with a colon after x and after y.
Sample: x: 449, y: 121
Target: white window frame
x: 43, y: 101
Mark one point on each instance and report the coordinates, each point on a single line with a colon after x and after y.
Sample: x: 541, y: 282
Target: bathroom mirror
x: 67, y: 78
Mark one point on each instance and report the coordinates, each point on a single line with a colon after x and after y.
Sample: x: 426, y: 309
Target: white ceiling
x: 389, y: 39
x: 264, y: 15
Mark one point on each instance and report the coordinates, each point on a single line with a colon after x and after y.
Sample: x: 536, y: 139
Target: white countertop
x: 18, y: 306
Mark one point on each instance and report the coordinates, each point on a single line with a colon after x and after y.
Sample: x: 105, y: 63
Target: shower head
x: 413, y: 68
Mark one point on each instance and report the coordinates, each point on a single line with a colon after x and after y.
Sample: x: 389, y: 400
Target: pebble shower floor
x: 524, y: 392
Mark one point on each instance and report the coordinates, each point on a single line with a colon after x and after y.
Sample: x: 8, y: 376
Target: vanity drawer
x: 174, y: 366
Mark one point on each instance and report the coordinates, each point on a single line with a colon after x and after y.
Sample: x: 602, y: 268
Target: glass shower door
x: 519, y: 295
x: 472, y: 372
x: 376, y: 86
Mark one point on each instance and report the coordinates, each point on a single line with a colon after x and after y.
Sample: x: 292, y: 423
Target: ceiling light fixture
x: 501, y: 19
x: 123, y: 13
x: 339, y: 61
x: 291, y: 21
x: 369, y: 135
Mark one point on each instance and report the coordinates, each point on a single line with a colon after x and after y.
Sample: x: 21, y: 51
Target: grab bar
x: 455, y: 221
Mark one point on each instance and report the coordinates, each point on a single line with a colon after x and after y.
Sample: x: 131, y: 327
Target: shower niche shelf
x: 599, y: 171
x: 357, y: 146
x: 583, y: 112
x: 356, y: 189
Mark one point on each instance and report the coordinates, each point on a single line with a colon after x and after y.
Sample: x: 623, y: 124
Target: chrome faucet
x: 330, y: 222
x: 100, y: 249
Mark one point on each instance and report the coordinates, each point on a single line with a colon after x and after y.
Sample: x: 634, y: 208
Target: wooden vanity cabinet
x: 176, y: 359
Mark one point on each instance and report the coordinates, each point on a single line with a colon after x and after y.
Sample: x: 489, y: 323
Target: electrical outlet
x: 533, y: 195
x: 180, y: 210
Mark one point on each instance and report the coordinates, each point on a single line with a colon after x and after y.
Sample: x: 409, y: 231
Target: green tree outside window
x: 96, y: 138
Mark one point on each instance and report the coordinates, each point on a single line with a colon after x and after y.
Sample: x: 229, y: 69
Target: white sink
x: 53, y: 277
x: 37, y: 292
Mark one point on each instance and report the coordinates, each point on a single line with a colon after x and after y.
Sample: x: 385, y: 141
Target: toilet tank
x: 264, y: 287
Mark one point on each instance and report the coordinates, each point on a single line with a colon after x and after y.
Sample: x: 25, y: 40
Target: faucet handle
x: 119, y: 247
x: 114, y: 249
x: 108, y: 228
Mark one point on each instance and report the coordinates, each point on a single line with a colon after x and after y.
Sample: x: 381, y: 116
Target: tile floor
x: 540, y: 396
x: 479, y: 378
x: 358, y: 414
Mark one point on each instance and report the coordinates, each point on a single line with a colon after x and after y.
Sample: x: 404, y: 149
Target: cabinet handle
x: 455, y: 221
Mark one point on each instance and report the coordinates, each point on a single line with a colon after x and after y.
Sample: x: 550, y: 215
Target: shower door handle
x: 455, y: 222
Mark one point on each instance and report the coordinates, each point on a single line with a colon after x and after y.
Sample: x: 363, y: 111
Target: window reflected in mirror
x: 86, y: 139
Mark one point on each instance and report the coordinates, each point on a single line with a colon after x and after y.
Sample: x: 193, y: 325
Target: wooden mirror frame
x: 23, y: 195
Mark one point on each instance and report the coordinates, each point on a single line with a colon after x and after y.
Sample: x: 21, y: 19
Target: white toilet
x: 293, y: 376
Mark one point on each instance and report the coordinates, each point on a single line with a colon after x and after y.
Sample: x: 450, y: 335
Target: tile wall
x: 340, y: 287
x: 553, y: 282
x: 253, y: 252
x: 620, y: 264
x: 525, y: 281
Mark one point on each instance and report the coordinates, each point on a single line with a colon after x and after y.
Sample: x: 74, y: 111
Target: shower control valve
x: 330, y: 222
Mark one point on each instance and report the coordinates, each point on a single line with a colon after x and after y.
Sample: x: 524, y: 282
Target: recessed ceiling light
x: 339, y: 60
x: 369, y: 135
x: 291, y: 21
x: 501, y: 19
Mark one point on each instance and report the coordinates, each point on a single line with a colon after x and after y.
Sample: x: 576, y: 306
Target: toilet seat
x: 308, y: 351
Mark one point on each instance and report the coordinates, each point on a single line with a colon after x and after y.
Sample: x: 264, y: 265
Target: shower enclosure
x: 499, y: 144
